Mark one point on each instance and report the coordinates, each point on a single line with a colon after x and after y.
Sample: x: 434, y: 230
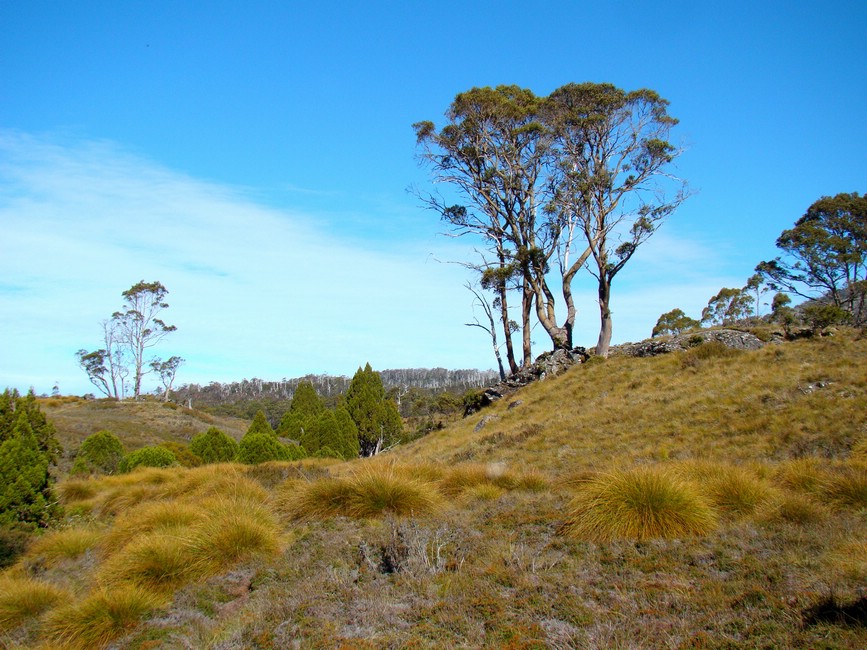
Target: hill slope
x: 508, y: 529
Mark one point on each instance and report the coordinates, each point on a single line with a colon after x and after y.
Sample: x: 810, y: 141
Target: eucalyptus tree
x: 825, y: 255
x: 139, y: 325
x: 492, y: 151
x: 613, y: 186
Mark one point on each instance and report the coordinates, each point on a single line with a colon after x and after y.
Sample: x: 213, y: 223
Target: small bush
x: 261, y: 448
x: 100, y: 453
x: 214, y: 446
x: 13, y: 542
x: 24, y: 598
x: 101, y: 617
x: 184, y: 456
x: 147, y: 457
x: 642, y: 503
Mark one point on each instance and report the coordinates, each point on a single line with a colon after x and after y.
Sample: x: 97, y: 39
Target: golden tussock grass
x: 63, y: 544
x: 160, y: 516
x: 23, y: 598
x: 233, y: 531
x: 847, y: 487
x: 101, y: 617
x: 730, y: 489
x: 642, y: 503
x: 371, y: 491
x: 160, y: 562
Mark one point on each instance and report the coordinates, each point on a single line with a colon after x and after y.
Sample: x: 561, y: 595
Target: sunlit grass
x: 23, y: 598
x: 642, y: 503
x: 63, y: 544
x: 160, y: 562
x: 100, y: 618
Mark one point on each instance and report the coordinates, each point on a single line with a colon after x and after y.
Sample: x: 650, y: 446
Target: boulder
x: 652, y: 347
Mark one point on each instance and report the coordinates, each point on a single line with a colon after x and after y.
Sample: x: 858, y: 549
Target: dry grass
x: 25, y: 598
x: 63, y: 544
x: 371, y: 491
x: 643, y: 503
x: 103, y: 616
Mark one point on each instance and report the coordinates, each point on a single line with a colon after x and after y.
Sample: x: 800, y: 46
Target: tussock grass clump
x: 23, y: 598
x: 850, y: 559
x: 468, y: 476
x: 101, y: 617
x: 371, y: 492
x: 160, y: 516
x: 642, y: 503
x: 794, y: 508
x: 801, y: 474
x: 159, y: 562
x: 730, y: 489
x: 847, y: 487
x: 64, y: 544
x: 75, y: 490
x: 233, y: 532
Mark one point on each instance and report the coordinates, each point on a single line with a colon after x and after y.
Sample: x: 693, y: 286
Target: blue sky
x: 254, y: 157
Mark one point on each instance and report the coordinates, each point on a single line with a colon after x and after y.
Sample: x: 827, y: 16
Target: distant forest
x: 416, y: 391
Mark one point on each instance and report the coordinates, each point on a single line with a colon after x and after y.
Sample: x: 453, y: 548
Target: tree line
x: 823, y: 260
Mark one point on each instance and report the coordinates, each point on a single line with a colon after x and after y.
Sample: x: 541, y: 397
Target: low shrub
x: 260, y: 448
x: 13, y: 542
x: 147, y: 457
x: 642, y: 503
x: 100, y: 453
x: 214, y: 446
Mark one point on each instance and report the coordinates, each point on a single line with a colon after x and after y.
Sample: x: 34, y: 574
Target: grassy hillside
x: 136, y: 423
x: 705, y: 499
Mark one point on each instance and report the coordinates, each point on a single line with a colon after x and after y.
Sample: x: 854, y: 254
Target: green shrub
x: 100, y: 453
x: 147, y: 457
x: 261, y: 447
x: 13, y: 543
x: 183, y: 454
x: 214, y: 446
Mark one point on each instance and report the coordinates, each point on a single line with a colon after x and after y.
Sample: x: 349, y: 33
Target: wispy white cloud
x: 254, y: 291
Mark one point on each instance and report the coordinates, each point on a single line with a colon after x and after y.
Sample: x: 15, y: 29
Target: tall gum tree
x: 614, y: 187
x: 492, y: 151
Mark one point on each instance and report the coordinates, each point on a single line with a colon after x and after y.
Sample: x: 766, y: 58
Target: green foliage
x: 100, y: 453
x: 260, y: 425
x: 13, y: 542
x: 11, y: 407
x: 306, y: 403
x: 347, y: 434
x: 377, y: 419
x: 25, y: 490
x: 825, y: 253
x: 147, y: 457
x: 260, y: 448
x: 214, y: 446
x: 819, y: 316
x: 295, y: 452
x: 727, y: 307
x: 291, y: 425
x: 674, y: 322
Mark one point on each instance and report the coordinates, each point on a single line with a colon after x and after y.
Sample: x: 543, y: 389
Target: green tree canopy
x: 674, y: 322
x: 727, y: 307
x: 260, y: 448
x: 12, y: 405
x: 25, y: 489
x: 825, y: 255
x: 260, y: 425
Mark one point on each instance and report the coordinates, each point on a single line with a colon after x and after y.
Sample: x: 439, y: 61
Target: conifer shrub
x: 23, y: 598
x: 26, y: 497
x: 641, y: 503
x: 261, y: 447
x: 100, y: 453
x: 214, y: 446
x: 259, y: 425
x: 101, y: 617
x: 147, y: 457
x: 184, y: 456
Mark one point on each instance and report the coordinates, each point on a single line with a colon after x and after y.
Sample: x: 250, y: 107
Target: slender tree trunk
x: 526, y: 309
x: 507, y: 330
x: 606, y: 324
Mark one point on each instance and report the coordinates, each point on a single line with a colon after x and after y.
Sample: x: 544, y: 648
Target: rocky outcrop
x: 549, y: 364
x: 651, y: 347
